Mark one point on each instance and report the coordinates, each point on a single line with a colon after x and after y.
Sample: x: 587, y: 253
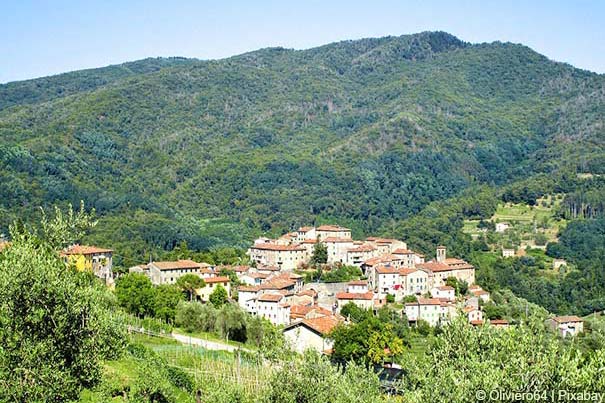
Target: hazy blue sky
x: 44, y: 37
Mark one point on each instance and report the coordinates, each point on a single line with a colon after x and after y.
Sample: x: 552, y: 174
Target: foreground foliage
x: 55, y: 324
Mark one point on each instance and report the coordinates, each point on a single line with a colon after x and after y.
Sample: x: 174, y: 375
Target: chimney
x: 441, y: 253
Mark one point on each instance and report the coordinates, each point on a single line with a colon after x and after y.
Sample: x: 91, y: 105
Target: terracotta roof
x: 305, y: 229
x: 270, y: 298
x: 445, y: 288
x: 268, y: 268
x: 218, y: 279
x: 333, y: 239
x: 382, y: 259
x: 362, y: 248
x: 309, y: 241
x: 386, y: 270
x: 498, y: 322
x: 567, y: 318
x: 479, y: 292
x: 358, y: 282
x: 84, y: 250
x: 299, y: 311
x: 277, y: 284
x: 276, y: 247
x: 401, y: 251
x: 309, y: 292
x: 257, y: 275
x: 176, y: 265
x: 385, y: 240
x: 332, y: 228
x: 434, y: 266
x: 458, y: 263
x: 406, y: 271
x: 476, y: 322
x: 323, y: 325
x: 429, y: 301
x: 355, y: 295
x: 247, y: 288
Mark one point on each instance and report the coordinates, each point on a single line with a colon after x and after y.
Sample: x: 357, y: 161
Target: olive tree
x: 55, y: 323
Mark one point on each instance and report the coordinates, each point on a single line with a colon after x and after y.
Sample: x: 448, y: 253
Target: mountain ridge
x: 361, y: 131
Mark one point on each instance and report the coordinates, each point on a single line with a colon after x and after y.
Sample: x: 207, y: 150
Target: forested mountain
x: 365, y: 132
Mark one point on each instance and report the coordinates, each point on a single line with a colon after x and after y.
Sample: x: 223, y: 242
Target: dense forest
x: 369, y: 133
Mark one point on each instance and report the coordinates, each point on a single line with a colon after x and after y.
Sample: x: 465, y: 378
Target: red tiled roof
x: 270, y: 298
x: 355, y: 295
x: 309, y: 241
x: 247, y: 288
x: 567, y: 318
x: 476, y: 322
x: 276, y: 247
x: 402, y: 251
x: 458, y: 264
x: 445, y: 288
x: 406, y: 271
x: 386, y: 270
x: 85, y: 250
x: 498, y: 322
x: 277, y: 284
x: 218, y: 279
x: 362, y: 248
x: 176, y: 265
x: 323, y: 325
x: 305, y: 229
x: 333, y: 239
x: 429, y: 301
x: 434, y: 266
x: 311, y: 293
x: 332, y: 228
x: 358, y: 282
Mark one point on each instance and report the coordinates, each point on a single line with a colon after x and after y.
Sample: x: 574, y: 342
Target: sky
x: 46, y: 37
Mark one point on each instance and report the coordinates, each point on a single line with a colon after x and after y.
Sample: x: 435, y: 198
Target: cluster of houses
x: 168, y: 272
x: 270, y: 288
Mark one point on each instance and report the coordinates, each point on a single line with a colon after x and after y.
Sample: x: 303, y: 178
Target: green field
x: 526, y: 221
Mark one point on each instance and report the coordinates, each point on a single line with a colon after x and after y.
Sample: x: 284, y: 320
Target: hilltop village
x: 272, y: 285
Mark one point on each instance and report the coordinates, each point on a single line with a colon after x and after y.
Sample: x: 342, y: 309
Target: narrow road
x: 207, y: 344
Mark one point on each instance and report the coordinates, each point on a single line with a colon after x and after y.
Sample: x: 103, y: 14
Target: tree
x: 63, y: 229
x: 167, y: 298
x: 136, y: 294
x: 361, y: 342
x: 189, y: 283
x: 219, y: 296
x: 55, y: 323
x: 354, y: 312
x: 231, y: 323
x: 547, y: 364
x: 189, y: 316
x: 320, y: 254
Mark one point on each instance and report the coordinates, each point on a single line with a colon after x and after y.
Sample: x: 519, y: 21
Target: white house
x: 387, y: 280
x: 414, y: 281
x: 325, y: 231
x: 566, y: 325
x: 357, y: 286
x: 365, y: 301
x: 246, y: 298
x: 426, y: 309
x: 272, y: 307
x: 311, y: 334
x: 508, y: 252
x: 444, y: 291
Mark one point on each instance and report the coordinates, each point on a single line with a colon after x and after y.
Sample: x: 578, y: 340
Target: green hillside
x: 366, y: 132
